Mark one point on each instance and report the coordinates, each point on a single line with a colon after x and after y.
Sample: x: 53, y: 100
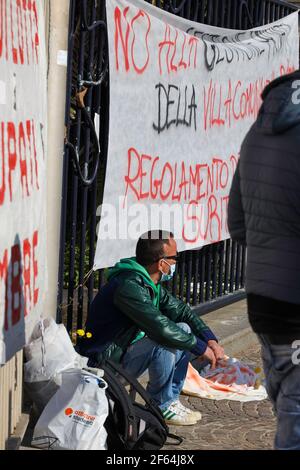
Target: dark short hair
x: 150, y: 246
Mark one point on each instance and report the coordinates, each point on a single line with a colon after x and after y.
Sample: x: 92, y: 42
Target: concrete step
x: 15, y: 441
x: 231, y: 326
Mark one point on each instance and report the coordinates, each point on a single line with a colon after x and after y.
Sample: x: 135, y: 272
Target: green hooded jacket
x: 152, y: 311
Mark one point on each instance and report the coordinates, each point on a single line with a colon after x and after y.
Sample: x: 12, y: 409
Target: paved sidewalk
x: 228, y: 425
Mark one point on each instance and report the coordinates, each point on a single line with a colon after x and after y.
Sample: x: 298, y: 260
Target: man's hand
x: 210, y: 356
x: 217, y: 349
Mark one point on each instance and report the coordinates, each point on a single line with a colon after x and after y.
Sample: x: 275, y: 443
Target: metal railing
x: 234, y: 14
x: 206, y: 278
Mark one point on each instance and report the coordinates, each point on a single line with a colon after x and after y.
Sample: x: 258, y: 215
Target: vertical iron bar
x: 186, y: 11
x: 210, y: 12
x: 214, y: 270
x: 222, y: 14
x: 71, y: 286
x: 216, y: 13
x: 182, y: 268
x: 175, y: 281
x: 273, y: 12
x: 92, y: 231
x: 202, y: 18
x: 84, y: 189
x: 208, y: 273
x: 268, y: 13
x: 263, y: 13
x: 238, y: 268
x: 194, y: 10
x: 103, y: 133
x: 221, y: 269
x: 74, y: 205
x: 232, y: 266
x: 258, y: 13
x: 228, y: 15
x: 196, y: 258
x: 189, y: 267
x: 202, y: 275
x: 251, y: 10
x: 227, y: 268
x: 234, y: 17
x: 65, y: 177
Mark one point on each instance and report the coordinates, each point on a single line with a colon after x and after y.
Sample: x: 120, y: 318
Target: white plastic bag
x: 41, y: 392
x: 74, y: 417
x: 49, y: 352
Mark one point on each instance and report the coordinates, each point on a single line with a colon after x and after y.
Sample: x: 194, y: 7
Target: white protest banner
x: 23, y: 139
x: 182, y: 97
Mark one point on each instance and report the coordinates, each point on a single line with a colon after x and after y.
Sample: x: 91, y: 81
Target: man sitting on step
x: 135, y: 321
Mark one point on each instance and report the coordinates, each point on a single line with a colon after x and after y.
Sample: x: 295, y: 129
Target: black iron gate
x: 208, y: 278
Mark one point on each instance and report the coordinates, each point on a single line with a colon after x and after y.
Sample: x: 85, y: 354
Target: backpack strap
x: 135, y: 386
x: 176, y: 438
x: 130, y: 425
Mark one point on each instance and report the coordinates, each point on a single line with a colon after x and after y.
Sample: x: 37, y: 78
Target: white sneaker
x: 196, y: 414
x: 176, y: 416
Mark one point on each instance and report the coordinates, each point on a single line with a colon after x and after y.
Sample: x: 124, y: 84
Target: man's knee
x: 185, y: 327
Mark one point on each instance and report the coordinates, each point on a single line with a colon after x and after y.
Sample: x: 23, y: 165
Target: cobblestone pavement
x: 228, y: 425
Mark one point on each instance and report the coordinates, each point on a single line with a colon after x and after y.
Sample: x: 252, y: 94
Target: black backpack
x: 131, y: 425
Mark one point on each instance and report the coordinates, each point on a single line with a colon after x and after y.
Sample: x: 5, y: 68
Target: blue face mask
x: 168, y: 277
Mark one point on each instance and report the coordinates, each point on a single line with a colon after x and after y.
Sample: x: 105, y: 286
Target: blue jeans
x: 167, y: 368
x: 283, y: 387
